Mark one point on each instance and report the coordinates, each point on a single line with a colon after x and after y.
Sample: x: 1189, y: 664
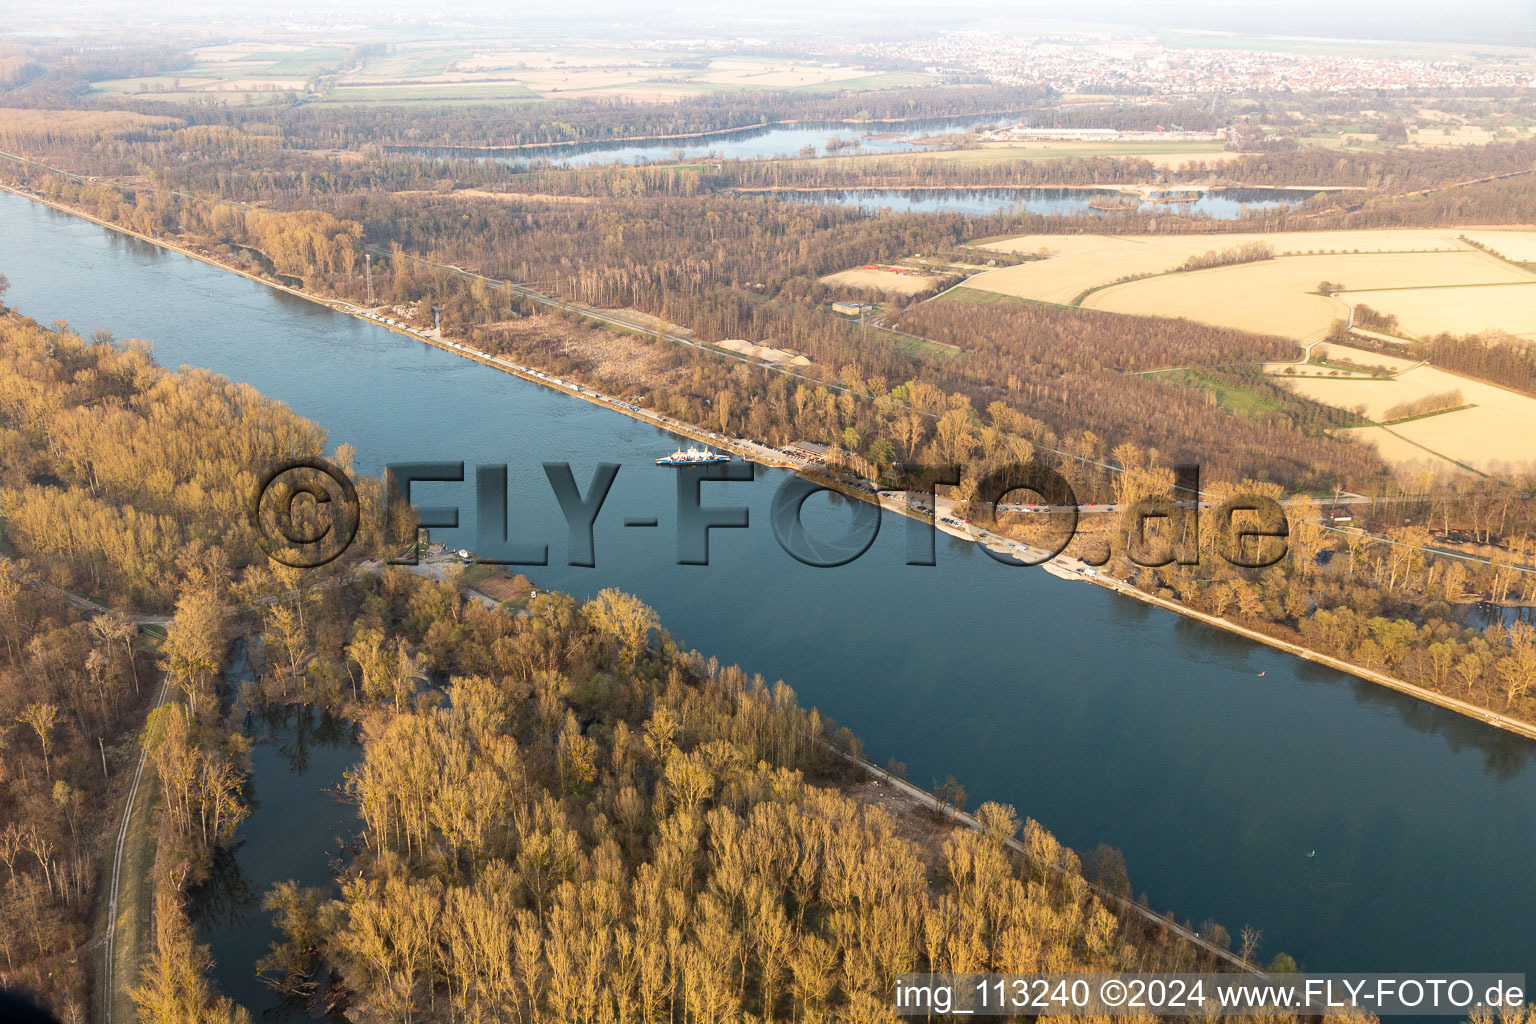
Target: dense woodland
x: 72, y: 689
x: 119, y: 475
x: 580, y: 824
x: 1508, y: 362
x: 1387, y: 605
x: 126, y: 482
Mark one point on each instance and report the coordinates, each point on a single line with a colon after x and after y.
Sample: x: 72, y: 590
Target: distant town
x: 1147, y: 65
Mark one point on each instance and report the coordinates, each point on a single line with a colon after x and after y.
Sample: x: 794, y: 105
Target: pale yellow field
x: 501, y: 59
x: 1465, y: 135
x: 558, y: 80
x: 1430, y: 311
x: 258, y: 85
x: 640, y: 92
x: 1080, y: 262
x: 775, y: 74
x: 1499, y: 433
x: 884, y: 280
x: 1519, y: 246
x: 1276, y: 296
x: 237, y: 51
x: 1269, y: 296
x: 1366, y: 240
x: 1403, y: 455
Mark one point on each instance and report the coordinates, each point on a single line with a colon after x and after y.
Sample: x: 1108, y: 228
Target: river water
x: 1107, y: 720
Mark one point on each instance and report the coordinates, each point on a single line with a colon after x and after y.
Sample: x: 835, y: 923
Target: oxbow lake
x: 826, y: 138
x: 1217, y: 204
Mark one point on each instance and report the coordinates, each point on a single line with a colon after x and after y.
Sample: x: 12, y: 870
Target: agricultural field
x: 1417, y: 274
x: 890, y: 280
x: 780, y: 74
x: 1428, y: 311
x: 438, y: 72
x: 1279, y: 296
x: 1464, y: 135
x: 1512, y: 245
x: 239, y: 72
x: 1496, y: 431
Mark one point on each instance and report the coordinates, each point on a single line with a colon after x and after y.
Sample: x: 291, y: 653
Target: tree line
x: 119, y: 474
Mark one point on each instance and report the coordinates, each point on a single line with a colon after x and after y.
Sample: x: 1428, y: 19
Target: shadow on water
x: 1504, y: 754
x: 227, y: 897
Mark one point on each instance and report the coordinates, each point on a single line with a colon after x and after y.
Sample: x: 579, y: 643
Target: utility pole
x: 368, y: 275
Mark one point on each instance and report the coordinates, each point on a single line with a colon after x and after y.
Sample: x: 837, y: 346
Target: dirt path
x: 129, y: 920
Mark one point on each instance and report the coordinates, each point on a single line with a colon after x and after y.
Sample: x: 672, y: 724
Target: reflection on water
x: 227, y: 897
x: 297, y: 827
x: 1219, y: 204
x: 827, y: 138
x: 1483, y: 614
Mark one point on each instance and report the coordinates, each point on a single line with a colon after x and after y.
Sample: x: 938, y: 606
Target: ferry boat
x: 692, y: 457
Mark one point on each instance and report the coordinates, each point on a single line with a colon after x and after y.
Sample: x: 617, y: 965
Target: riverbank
x: 758, y: 452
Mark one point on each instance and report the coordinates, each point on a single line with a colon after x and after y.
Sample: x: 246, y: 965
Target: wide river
x: 1107, y: 720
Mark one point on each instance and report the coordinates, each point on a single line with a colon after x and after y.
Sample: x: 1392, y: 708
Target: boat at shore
x: 692, y: 457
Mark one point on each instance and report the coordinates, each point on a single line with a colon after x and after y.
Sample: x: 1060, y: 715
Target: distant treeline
x: 595, y: 120
x: 1497, y: 359
x: 1372, y: 319
x: 1252, y: 252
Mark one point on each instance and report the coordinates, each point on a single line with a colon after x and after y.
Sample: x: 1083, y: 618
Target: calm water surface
x: 824, y: 139
x: 1219, y: 204
x: 1107, y: 720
